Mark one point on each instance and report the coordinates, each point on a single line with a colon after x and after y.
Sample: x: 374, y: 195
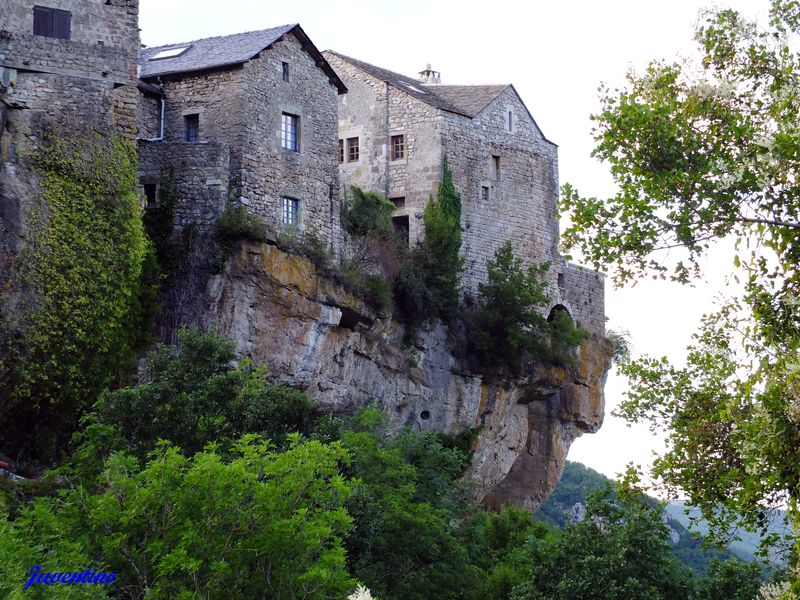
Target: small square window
x: 398, y: 147
x: 399, y: 202
x: 341, y: 151
x: 52, y: 22
x: 290, y: 212
x: 192, y: 127
x: 285, y: 71
x: 485, y: 193
x: 150, y: 193
x: 290, y: 130
x: 352, y: 149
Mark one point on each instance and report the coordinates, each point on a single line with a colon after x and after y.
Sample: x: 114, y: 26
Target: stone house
x: 394, y: 134
x: 249, y: 118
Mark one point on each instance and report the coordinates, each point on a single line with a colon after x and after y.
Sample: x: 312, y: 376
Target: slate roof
x: 467, y: 100
x: 227, y: 51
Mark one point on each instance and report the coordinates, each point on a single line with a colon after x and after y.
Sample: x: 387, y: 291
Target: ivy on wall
x: 81, y: 306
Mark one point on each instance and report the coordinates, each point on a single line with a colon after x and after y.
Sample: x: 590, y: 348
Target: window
x: 496, y: 161
x: 352, y: 149
x: 169, y: 53
x: 290, y: 211
x: 192, y: 127
x: 52, y: 22
x: 485, y: 193
x: 510, y: 121
x: 150, y: 194
x: 290, y: 125
x: 285, y: 71
x: 341, y: 151
x: 399, y: 202
x: 398, y: 147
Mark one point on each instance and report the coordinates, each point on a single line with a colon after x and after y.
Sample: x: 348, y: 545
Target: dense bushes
x: 510, y: 323
x: 80, y: 274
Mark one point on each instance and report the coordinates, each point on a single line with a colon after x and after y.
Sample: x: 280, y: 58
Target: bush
x: 510, y: 321
x: 365, y: 213
x: 306, y: 243
x: 237, y: 223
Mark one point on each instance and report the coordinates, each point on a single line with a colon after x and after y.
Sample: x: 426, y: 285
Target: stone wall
x: 270, y: 172
x: 196, y: 175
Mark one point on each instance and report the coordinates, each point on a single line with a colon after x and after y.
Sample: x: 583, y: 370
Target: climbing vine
x: 81, y: 276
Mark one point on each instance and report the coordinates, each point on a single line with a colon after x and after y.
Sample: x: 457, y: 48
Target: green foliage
x: 731, y: 580
x: 510, y: 324
x: 701, y: 151
x: 262, y: 523
x: 237, y: 223
x: 430, y: 283
x: 620, y: 551
x: 365, y: 213
x: 82, y: 269
x: 306, y: 243
x: 193, y: 396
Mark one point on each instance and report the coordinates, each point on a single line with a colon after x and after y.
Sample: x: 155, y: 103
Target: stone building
x: 394, y: 134
x: 248, y: 118
x: 67, y: 67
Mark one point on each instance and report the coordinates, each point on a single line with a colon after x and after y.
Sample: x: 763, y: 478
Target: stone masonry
x: 504, y: 167
x: 239, y: 89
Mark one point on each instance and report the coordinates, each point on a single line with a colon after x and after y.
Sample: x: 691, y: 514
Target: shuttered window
x: 52, y: 22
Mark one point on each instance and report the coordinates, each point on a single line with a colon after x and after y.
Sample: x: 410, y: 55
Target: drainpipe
x: 160, y: 137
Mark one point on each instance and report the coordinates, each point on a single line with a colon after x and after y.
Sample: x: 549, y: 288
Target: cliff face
x: 315, y: 336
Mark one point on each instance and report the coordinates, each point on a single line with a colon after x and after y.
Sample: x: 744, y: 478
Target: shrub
x: 510, y: 321
x: 365, y: 213
x: 237, y: 223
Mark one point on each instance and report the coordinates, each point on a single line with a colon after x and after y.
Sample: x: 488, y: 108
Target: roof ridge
x: 288, y: 26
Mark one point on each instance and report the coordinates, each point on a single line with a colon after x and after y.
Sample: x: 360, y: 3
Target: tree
x: 619, y: 551
x: 702, y: 151
x: 511, y: 323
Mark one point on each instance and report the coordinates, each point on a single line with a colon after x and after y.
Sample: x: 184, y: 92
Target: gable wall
x: 374, y: 111
x: 268, y: 171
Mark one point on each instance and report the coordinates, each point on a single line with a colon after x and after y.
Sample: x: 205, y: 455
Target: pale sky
x: 556, y: 54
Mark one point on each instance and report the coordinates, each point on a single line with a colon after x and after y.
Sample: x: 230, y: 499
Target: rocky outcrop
x: 315, y: 336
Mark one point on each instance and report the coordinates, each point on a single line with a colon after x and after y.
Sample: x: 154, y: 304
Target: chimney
x: 430, y: 77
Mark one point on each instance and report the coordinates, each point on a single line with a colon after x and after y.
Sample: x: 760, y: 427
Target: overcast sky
x: 556, y: 54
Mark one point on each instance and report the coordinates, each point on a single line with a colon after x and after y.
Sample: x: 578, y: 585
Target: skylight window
x: 169, y: 53
x: 411, y: 87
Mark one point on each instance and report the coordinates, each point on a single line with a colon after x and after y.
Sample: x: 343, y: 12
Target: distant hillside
x: 747, y: 543
x: 569, y: 498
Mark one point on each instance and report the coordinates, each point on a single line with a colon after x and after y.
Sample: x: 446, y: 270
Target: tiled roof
x: 225, y: 51
x: 467, y: 100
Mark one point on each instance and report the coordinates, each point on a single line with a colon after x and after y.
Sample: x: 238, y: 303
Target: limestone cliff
x: 315, y: 336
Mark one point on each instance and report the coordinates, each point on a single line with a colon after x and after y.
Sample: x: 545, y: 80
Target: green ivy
x: 81, y: 271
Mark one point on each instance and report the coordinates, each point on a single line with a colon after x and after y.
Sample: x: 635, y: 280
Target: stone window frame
x: 497, y: 171
x: 290, y: 212
x: 353, y: 151
x: 290, y: 131
x: 200, y: 112
x: 191, y: 128
x: 486, y: 191
x: 509, y: 119
x: 285, y: 71
x: 341, y: 151
x: 397, y: 151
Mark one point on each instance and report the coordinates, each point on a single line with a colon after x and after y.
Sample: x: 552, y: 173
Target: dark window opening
x: 496, y: 161
x: 425, y: 415
x: 150, y: 193
x: 398, y: 147
x: 192, y: 127
x: 558, y: 308
x: 561, y: 280
x: 510, y: 121
x: 285, y: 71
x: 290, y: 132
x: 485, y: 193
x: 401, y: 227
x: 352, y: 149
x: 399, y: 201
x: 341, y: 151
x: 52, y: 22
